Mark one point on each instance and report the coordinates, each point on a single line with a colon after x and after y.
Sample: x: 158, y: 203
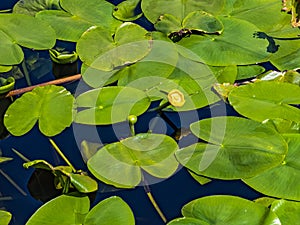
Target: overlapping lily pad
x: 14, y: 34
x: 267, y: 100
x: 127, y: 10
x: 235, y: 46
x: 78, y: 16
x: 287, y: 211
x: 121, y: 163
x: 34, y: 6
x: 97, y: 47
x: 225, y: 210
x: 110, y: 105
x: 286, y: 184
x: 237, y: 148
x: 51, y: 106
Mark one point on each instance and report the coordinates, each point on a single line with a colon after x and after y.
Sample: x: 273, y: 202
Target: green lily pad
x: 111, y: 211
x: 83, y: 183
x: 65, y: 209
x: 199, y: 21
x: 14, y: 34
x: 267, y: 100
x: 126, y: 10
x: 286, y: 184
x: 237, y: 148
x: 110, y: 105
x: 121, y: 163
x: 200, y: 179
x: 34, y: 6
x: 223, y: 209
x: 78, y: 16
x: 287, y: 211
x: 6, y: 85
x: 153, y: 9
x: 5, y: 217
x: 51, y: 106
x: 225, y: 74
x: 97, y: 47
x: 5, y: 69
x: 249, y: 71
x: 235, y: 46
x: 160, y: 62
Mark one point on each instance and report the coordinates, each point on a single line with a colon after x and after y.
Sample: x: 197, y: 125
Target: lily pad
x: 267, y: 100
x: 111, y: 211
x: 14, y: 34
x: 110, y: 105
x: 78, y: 16
x: 287, y: 211
x: 31, y: 7
x: 153, y: 9
x: 223, y: 209
x: 235, y: 46
x: 5, y: 217
x: 287, y: 174
x: 65, y: 209
x: 97, y: 47
x: 121, y: 163
x: 249, y: 71
x: 237, y: 148
x: 51, y: 106
x: 126, y: 10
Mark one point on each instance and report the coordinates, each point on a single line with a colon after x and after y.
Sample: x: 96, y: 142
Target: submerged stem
x: 62, y: 155
x: 152, y: 200
x: 20, y: 155
x: 26, y: 73
x: 13, y: 183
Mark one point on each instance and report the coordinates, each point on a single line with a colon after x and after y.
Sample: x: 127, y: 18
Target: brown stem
x: 53, y: 82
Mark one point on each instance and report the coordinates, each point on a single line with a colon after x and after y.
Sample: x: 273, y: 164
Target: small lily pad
x: 126, y: 10
x: 121, y: 163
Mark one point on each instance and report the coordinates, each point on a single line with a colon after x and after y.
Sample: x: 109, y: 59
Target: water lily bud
x: 132, y: 119
x: 176, y: 98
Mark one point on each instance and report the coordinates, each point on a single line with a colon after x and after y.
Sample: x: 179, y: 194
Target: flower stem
x: 62, y: 155
x: 152, y: 200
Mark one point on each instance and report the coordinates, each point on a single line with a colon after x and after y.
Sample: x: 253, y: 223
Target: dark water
x: 170, y: 194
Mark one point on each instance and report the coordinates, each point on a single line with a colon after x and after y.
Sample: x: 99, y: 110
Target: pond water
x: 170, y: 194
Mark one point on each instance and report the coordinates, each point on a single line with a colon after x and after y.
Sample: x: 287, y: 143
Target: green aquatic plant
x: 5, y: 217
x: 74, y: 208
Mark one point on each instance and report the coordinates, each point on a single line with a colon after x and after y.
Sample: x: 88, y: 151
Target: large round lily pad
x: 14, y: 34
x: 51, y: 106
x: 287, y: 182
x: 225, y: 210
x: 78, y: 16
x: 97, y: 47
x: 237, y: 148
x: 287, y: 211
x: 110, y: 105
x: 267, y: 100
x: 121, y: 163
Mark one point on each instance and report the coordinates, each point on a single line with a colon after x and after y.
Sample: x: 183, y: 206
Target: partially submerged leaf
x: 110, y: 105
x: 83, y: 183
x: 121, y: 163
x: 267, y: 100
x: 237, y: 148
x: 51, y: 106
